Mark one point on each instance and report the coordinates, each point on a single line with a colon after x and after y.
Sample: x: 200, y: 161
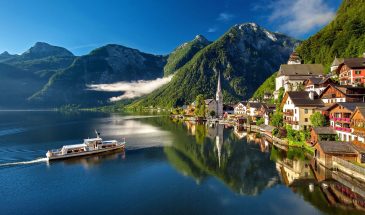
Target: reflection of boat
x: 89, y: 147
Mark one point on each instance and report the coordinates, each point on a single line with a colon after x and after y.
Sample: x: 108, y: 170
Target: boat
x: 89, y: 147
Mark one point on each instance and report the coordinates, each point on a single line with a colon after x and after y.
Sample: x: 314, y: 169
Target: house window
x: 305, y: 119
x: 306, y: 111
x: 295, y: 111
x: 358, y: 72
x: 313, y: 111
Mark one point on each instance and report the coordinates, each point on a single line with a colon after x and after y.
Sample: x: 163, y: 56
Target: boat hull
x: 62, y: 157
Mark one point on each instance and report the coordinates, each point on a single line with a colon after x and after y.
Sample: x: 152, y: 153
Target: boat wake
x: 39, y: 160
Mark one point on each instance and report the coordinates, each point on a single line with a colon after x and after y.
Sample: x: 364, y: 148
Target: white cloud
x: 131, y: 89
x: 212, y: 30
x: 225, y: 17
x: 298, y: 17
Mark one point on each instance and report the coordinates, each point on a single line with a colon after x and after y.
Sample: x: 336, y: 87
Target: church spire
x: 219, y: 97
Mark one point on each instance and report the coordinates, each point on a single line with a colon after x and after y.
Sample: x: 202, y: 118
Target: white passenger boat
x: 89, y: 147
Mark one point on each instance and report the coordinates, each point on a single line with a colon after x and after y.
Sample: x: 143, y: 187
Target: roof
x: 74, y: 146
x: 301, y: 99
x: 336, y: 147
x: 268, y: 128
x: 208, y: 101
x: 301, y: 69
x: 348, y: 90
x: 315, y: 80
x: 351, y: 106
x: 324, y: 130
x: 337, y: 61
x: 354, y: 62
x: 254, y: 104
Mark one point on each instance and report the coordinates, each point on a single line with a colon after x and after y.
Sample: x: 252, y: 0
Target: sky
x: 152, y: 26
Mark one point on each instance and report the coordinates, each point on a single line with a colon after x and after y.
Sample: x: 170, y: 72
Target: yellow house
x: 298, y: 106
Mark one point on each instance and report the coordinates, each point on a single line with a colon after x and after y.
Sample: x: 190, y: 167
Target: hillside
x: 108, y: 64
x: 244, y: 56
x: 182, y: 54
x: 267, y: 87
x: 343, y: 37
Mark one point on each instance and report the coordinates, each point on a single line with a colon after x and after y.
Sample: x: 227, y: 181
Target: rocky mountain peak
x: 201, y: 38
x: 42, y: 49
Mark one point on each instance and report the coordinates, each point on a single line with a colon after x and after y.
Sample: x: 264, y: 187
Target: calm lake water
x: 168, y: 168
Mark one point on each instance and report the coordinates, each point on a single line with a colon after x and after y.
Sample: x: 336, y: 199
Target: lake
x: 168, y: 168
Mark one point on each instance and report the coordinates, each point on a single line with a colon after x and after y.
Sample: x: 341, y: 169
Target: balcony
x: 342, y: 129
x: 291, y: 122
x: 288, y: 113
x: 340, y: 119
x: 359, y: 131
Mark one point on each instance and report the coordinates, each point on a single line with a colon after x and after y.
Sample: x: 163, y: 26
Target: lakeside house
x: 291, y: 76
x: 351, y: 71
x: 340, y: 93
x: 325, y: 150
x: 340, y: 118
x: 322, y: 134
x: 358, y: 125
x: 317, y: 84
x: 240, y: 108
x: 298, y: 106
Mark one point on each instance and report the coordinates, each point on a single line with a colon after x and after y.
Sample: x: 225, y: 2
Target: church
x: 216, y: 104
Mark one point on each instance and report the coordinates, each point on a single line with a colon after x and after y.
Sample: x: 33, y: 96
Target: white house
x: 240, y: 108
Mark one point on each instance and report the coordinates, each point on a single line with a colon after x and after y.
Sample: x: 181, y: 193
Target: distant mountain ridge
x: 182, y: 54
x: 245, y: 56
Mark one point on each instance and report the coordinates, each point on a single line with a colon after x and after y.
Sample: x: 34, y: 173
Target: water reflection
x: 248, y: 164
x: 217, y: 151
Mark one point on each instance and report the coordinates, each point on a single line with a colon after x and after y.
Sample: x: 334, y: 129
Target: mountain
x: 244, y: 56
x: 267, y: 87
x: 6, y: 56
x: 42, y: 59
x: 182, y: 54
x: 108, y: 64
x: 16, y: 86
x: 343, y: 37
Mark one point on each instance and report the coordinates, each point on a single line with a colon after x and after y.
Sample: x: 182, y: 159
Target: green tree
x: 260, y: 121
x: 212, y: 113
x: 277, y: 119
x: 200, y: 106
x: 317, y: 120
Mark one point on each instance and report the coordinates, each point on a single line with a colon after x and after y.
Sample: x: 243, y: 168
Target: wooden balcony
x: 359, y: 131
x: 291, y: 122
x: 288, y: 113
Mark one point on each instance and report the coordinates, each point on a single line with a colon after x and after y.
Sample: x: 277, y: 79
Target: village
x: 322, y: 113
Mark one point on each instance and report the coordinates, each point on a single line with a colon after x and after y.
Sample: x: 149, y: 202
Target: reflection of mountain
x: 217, y: 152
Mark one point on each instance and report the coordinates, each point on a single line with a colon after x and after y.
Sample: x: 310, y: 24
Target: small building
x: 322, y: 134
x: 291, y: 76
x: 294, y: 59
x: 325, y: 150
x: 240, y: 108
x: 358, y: 125
x: 253, y: 109
x: 337, y: 93
x: 229, y: 109
x: 317, y: 84
x: 298, y: 107
x: 340, y: 118
x: 336, y: 62
x: 352, y: 71
x: 210, y: 105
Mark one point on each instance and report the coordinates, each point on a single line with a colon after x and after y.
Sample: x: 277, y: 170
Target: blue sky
x: 153, y: 26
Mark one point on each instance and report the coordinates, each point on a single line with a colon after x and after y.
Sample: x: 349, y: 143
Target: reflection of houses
x: 322, y: 134
x: 292, y: 170
x: 240, y: 132
x: 291, y: 77
x: 298, y: 107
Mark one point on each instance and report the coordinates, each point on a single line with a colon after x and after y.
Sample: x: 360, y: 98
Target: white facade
x: 240, y: 109
x: 290, y: 107
x: 333, y: 100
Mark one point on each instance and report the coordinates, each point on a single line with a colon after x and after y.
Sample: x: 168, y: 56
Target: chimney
x: 311, y: 95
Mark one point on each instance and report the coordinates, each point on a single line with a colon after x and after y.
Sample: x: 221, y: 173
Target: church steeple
x: 219, y: 97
